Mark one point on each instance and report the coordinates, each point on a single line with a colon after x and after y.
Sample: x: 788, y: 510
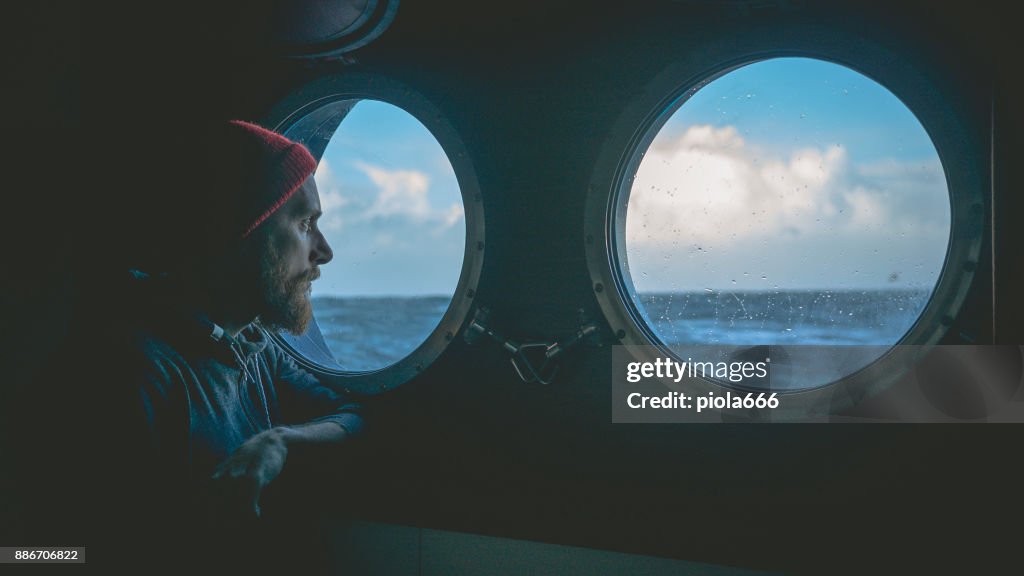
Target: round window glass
x: 787, y: 201
x: 394, y: 217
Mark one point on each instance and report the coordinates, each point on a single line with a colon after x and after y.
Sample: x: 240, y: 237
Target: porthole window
x: 395, y: 214
x: 789, y: 202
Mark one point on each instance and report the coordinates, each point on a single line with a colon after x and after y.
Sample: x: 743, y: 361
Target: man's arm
x: 313, y: 433
x: 261, y: 458
x: 299, y: 397
x: 303, y: 412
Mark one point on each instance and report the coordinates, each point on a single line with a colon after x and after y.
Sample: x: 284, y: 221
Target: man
x: 219, y: 404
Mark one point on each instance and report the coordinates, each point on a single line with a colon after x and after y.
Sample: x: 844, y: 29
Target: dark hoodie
x: 202, y: 393
x: 140, y: 408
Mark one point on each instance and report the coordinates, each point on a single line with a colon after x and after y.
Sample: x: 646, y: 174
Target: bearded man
x: 219, y: 403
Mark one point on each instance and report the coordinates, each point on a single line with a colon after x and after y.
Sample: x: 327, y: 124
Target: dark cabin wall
x: 470, y: 448
x: 42, y: 82
x: 533, y: 89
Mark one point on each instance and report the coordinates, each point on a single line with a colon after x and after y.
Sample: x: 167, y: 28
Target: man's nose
x: 322, y: 253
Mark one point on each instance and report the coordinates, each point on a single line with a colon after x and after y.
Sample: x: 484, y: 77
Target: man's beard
x: 286, y: 305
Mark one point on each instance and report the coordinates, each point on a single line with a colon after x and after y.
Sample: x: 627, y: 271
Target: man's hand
x: 253, y: 466
x: 261, y: 458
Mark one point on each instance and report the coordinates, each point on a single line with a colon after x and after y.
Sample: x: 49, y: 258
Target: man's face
x: 292, y: 251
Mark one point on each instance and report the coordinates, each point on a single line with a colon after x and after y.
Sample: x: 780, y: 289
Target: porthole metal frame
x: 370, y: 25
x: 327, y: 90
x: 644, y: 116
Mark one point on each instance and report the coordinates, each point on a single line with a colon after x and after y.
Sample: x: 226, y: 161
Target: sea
x: 369, y: 333
x: 828, y: 317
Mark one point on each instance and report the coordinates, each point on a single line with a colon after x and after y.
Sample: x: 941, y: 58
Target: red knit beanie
x: 265, y: 170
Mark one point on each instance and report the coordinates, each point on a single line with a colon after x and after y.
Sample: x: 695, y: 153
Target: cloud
x: 708, y: 209
x: 399, y: 192
x: 452, y: 215
x: 331, y: 199
x: 405, y: 194
x: 384, y: 240
x: 709, y: 186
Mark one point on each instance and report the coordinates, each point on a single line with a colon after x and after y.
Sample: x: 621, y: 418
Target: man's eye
x: 305, y: 225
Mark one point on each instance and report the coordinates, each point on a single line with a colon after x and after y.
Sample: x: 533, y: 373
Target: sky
x: 392, y: 208
x: 790, y: 173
